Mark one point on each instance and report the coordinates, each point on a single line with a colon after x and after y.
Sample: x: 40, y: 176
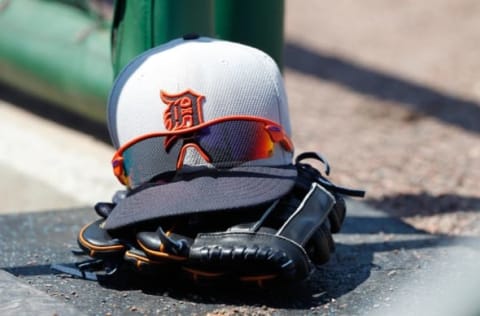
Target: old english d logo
x: 183, y: 110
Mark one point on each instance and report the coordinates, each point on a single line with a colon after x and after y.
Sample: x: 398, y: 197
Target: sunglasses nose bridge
x: 183, y: 153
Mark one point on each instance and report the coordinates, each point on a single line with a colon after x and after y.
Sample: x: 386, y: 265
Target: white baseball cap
x: 213, y: 89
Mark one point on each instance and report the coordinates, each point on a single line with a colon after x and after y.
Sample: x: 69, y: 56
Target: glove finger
x: 321, y: 245
x: 151, y: 243
x: 104, y: 209
x: 337, y: 214
x: 139, y: 260
x: 98, y: 243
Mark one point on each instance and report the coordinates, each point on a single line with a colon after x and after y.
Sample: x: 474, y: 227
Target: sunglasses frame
x: 274, y: 130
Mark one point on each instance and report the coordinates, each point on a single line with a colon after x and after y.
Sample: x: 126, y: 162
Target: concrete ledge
x: 17, y: 298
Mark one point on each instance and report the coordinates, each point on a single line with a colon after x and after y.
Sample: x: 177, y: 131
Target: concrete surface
x: 45, y: 165
x: 17, y: 298
x: 379, y: 263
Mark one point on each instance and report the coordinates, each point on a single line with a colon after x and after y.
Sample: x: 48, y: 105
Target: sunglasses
x: 225, y: 142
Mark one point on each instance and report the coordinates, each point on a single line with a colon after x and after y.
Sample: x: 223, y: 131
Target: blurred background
x: 388, y: 91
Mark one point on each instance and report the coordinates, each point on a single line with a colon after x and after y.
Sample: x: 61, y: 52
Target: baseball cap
x: 195, y: 84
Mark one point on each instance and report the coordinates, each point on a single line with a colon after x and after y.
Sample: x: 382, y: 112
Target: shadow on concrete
x: 30, y: 270
x: 450, y: 109
x: 366, y: 225
x: 54, y: 113
x: 426, y: 203
x: 369, y: 241
x: 349, y: 267
x: 421, y: 99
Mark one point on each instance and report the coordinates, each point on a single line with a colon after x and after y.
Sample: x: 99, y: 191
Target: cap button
x: 190, y: 36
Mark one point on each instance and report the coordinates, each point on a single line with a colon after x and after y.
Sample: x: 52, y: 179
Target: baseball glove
x: 282, y: 240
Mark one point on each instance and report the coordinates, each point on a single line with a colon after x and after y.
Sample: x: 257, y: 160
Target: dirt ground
x: 389, y: 92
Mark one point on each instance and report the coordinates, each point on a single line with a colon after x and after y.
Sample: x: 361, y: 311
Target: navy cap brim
x: 214, y: 190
